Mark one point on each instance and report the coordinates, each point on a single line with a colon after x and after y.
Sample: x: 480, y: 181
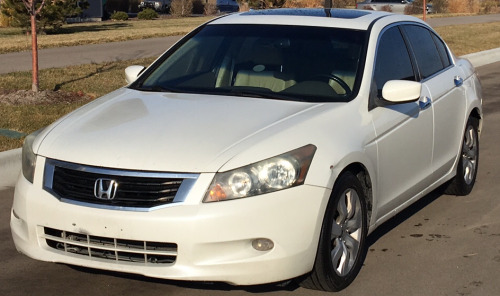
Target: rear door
x: 443, y: 80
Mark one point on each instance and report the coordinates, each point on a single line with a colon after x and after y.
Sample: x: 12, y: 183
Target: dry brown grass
x: 318, y: 3
x: 94, y: 80
x: 464, y: 6
x: 303, y: 3
x: 181, y: 7
x: 490, y: 6
x: 3, y: 21
x: 12, y: 39
x: 386, y: 8
x: 210, y: 7
x: 465, y: 39
x: 8, y: 143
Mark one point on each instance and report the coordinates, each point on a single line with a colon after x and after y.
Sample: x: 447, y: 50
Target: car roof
x: 318, y: 17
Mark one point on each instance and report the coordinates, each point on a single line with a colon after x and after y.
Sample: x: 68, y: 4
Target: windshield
x: 312, y: 64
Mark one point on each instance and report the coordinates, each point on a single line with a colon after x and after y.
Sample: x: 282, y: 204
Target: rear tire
x: 342, y: 243
x: 468, y: 163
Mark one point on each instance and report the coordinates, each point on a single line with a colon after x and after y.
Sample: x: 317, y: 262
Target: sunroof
x: 335, y: 13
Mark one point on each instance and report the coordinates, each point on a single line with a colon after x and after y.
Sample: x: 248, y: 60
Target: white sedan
x: 264, y: 146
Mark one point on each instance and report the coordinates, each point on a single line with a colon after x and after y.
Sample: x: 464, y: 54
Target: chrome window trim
x: 48, y: 179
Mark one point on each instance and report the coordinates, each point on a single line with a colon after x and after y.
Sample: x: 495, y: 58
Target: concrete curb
x: 482, y: 58
x: 10, y: 161
x: 10, y: 167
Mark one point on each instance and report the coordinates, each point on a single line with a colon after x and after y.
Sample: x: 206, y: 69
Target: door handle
x: 458, y: 81
x: 424, y: 103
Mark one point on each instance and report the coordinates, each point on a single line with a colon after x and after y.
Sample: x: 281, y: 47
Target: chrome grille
x: 136, y: 190
x: 135, y: 251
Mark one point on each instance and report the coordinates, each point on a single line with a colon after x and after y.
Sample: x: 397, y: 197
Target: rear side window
x: 392, y: 61
x: 443, y: 52
x: 428, y: 57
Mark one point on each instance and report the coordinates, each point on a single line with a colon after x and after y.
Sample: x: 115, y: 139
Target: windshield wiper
x: 265, y: 95
x: 158, y: 88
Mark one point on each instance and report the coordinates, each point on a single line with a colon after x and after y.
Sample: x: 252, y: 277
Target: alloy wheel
x: 346, y: 232
x: 469, y: 155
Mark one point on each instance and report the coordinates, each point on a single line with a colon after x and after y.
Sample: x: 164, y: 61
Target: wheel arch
x: 319, y: 277
x: 476, y: 113
x: 362, y: 174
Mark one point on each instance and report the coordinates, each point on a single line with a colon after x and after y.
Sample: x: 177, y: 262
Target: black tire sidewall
x: 462, y: 188
x: 332, y: 279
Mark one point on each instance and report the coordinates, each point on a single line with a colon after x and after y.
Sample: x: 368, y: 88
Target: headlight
x: 29, y: 157
x: 273, y: 174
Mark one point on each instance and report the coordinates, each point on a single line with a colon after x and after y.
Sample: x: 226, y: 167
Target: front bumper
x: 213, y: 241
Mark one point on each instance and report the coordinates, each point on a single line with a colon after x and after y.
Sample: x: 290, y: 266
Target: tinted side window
x: 427, y: 55
x: 443, y: 52
x: 392, y: 61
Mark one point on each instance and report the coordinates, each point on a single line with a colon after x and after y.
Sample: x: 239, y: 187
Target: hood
x: 130, y: 129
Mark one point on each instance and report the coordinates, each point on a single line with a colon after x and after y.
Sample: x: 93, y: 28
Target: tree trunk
x: 34, y: 51
x: 33, y: 11
x: 425, y: 11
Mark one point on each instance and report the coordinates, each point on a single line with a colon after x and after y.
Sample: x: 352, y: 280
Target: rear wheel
x: 342, y: 244
x: 465, y: 178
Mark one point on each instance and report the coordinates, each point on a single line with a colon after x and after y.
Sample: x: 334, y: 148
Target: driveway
x: 127, y: 50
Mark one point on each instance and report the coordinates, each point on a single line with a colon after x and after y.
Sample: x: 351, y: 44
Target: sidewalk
x: 10, y: 167
x: 462, y: 20
x: 86, y: 54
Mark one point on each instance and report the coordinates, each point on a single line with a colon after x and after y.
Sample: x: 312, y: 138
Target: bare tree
x: 33, y: 10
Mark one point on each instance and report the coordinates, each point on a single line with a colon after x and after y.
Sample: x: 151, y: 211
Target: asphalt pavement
x: 127, y: 50
x: 441, y: 245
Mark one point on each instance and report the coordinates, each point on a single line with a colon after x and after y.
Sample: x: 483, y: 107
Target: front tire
x: 468, y: 163
x: 342, y: 243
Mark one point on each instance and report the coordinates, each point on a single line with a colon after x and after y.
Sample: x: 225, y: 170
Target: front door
x: 404, y: 131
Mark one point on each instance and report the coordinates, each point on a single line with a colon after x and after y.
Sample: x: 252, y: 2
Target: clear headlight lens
x: 29, y: 157
x: 277, y: 173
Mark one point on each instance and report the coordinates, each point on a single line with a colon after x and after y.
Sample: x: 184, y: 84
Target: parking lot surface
x: 442, y: 245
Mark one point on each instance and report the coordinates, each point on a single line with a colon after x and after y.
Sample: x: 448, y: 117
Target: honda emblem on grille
x: 105, y: 188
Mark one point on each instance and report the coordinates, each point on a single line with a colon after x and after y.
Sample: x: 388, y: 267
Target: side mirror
x: 401, y: 91
x: 132, y: 72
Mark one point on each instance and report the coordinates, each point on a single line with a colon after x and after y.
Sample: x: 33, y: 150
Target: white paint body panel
x: 406, y: 152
